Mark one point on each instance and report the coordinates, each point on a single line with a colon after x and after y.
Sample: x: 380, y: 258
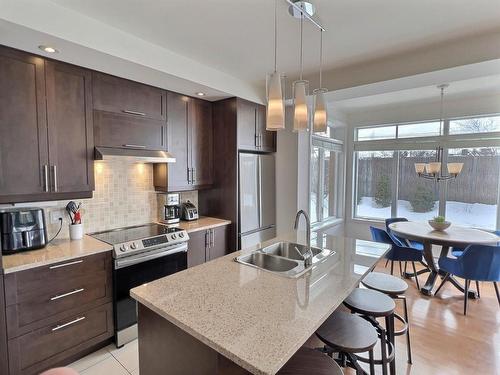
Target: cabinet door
x: 196, y: 248
x: 4, y: 365
x: 23, y: 126
x: 114, y: 130
x: 267, y: 139
x: 201, y: 142
x: 113, y: 94
x: 219, y: 242
x: 69, y: 115
x: 246, y: 120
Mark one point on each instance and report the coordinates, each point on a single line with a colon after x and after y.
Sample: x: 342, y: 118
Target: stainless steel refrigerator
x: 257, y: 198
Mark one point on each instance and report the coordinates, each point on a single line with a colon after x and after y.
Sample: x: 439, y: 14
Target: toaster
x: 189, y: 211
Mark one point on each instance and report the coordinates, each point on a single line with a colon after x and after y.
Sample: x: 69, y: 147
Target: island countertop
x: 255, y: 318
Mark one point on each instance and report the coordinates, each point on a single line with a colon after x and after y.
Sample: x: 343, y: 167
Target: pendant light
x: 300, y: 112
x: 275, y: 104
x: 320, y: 116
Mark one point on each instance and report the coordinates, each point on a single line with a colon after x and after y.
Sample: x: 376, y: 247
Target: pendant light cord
x: 320, y: 57
x: 301, y: 32
x: 275, y: 36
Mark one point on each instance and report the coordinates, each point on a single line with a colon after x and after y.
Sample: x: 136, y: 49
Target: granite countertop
x: 203, y: 223
x: 255, y: 318
x: 57, y: 251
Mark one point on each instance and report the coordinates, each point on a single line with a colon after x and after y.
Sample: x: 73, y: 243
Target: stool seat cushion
x: 370, y: 302
x: 385, y: 283
x: 347, y: 332
x: 309, y: 361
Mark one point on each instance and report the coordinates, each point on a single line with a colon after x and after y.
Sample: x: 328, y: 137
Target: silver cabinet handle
x: 213, y: 237
x: 256, y: 139
x: 65, y: 264
x: 54, y: 175
x: 133, y: 146
x: 61, y: 326
x: 59, y: 296
x: 133, y: 112
x: 46, y: 177
x: 207, y: 238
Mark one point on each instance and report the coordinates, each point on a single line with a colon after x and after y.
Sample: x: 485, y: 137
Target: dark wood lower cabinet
x: 57, y: 312
x: 52, y: 345
x: 4, y: 364
x: 206, y: 245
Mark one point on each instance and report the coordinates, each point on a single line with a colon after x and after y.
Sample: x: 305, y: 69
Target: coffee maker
x: 172, y: 213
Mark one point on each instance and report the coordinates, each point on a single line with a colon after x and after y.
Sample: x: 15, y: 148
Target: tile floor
x: 110, y: 361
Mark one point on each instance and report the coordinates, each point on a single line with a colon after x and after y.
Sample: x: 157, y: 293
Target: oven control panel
x: 155, y: 241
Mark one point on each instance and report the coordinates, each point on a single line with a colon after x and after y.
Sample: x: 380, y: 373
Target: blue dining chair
x: 400, y: 240
x: 478, y: 263
x: 457, y: 251
x: 397, y: 252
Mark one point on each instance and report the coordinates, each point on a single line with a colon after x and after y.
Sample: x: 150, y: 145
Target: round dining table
x: 454, y: 236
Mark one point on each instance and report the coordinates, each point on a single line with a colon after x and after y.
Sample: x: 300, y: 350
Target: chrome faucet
x: 308, y: 255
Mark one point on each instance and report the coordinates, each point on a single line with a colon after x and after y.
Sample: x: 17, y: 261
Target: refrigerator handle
x: 259, y: 176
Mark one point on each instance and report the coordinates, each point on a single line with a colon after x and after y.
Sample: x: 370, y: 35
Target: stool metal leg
x: 497, y: 292
x: 390, y: 336
x: 372, y: 363
x: 383, y: 350
x: 405, y: 307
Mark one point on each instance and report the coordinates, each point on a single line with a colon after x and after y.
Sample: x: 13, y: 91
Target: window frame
x: 446, y: 141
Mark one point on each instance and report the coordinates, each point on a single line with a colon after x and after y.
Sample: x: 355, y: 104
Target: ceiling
x: 236, y: 36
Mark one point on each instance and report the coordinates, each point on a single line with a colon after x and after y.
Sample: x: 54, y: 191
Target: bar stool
x: 348, y: 335
x: 371, y: 305
x: 310, y: 361
x: 395, y: 288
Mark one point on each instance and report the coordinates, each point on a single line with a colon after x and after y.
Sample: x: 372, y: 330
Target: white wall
x: 406, y: 112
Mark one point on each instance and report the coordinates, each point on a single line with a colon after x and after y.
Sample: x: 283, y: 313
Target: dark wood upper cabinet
x: 252, y: 133
x: 190, y: 141
x: 201, y: 142
x: 23, y: 127
x: 118, y: 95
x: 69, y: 115
x: 45, y: 129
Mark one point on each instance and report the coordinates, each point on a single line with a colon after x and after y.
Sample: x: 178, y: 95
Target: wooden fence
x: 478, y: 182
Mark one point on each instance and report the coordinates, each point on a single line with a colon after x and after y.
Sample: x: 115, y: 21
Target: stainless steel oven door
x: 130, y: 272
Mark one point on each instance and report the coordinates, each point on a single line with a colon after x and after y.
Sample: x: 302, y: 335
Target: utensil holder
x: 76, y: 231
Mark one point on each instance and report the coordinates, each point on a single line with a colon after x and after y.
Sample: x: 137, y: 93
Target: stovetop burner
x: 139, y: 239
x: 140, y: 232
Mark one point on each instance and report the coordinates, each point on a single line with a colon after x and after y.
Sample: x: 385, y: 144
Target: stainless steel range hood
x: 136, y: 155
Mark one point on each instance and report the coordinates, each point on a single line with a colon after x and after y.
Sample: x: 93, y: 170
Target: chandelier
x: 435, y: 170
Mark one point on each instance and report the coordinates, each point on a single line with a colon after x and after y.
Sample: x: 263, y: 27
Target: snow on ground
x: 467, y: 214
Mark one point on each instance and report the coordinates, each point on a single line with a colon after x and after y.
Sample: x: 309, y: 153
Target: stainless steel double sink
x: 283, y: 258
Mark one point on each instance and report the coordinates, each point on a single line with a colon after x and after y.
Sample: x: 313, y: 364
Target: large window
x: 327, y: 170
x: 386, y: 184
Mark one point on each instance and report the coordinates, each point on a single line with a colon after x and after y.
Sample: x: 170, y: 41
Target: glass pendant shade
x: 455, y: 168
x: 275, y: 103
x: 420, y: 168
x: 320, y: 116
x: 301, y: 112
x: 433, y: 168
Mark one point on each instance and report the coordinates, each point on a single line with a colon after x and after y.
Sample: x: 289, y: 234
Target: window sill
x: 322, y: 225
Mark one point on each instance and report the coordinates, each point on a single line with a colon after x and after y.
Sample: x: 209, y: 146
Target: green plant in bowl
x: 439, y: 223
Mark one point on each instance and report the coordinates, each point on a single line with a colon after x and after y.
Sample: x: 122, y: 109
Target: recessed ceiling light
x: 48, y: 49
x: 200, y: 93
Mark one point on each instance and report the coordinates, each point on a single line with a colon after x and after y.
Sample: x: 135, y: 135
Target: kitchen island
x: 223, y: 317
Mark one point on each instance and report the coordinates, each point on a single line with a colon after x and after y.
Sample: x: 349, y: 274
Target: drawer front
x: 113, y: 94
x: 46, y: 308
x: 26, y: 286
x: 49, y: 346
x: 112, y: 130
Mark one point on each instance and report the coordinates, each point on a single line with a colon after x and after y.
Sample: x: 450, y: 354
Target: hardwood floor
x: 443, y: 340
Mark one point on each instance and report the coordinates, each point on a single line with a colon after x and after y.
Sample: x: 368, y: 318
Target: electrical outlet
x: 55, y: 215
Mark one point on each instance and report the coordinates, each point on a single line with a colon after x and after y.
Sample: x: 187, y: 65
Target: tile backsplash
x: 124, y: 195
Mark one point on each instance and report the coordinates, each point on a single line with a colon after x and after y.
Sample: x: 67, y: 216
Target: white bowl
x: 439, y: 226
